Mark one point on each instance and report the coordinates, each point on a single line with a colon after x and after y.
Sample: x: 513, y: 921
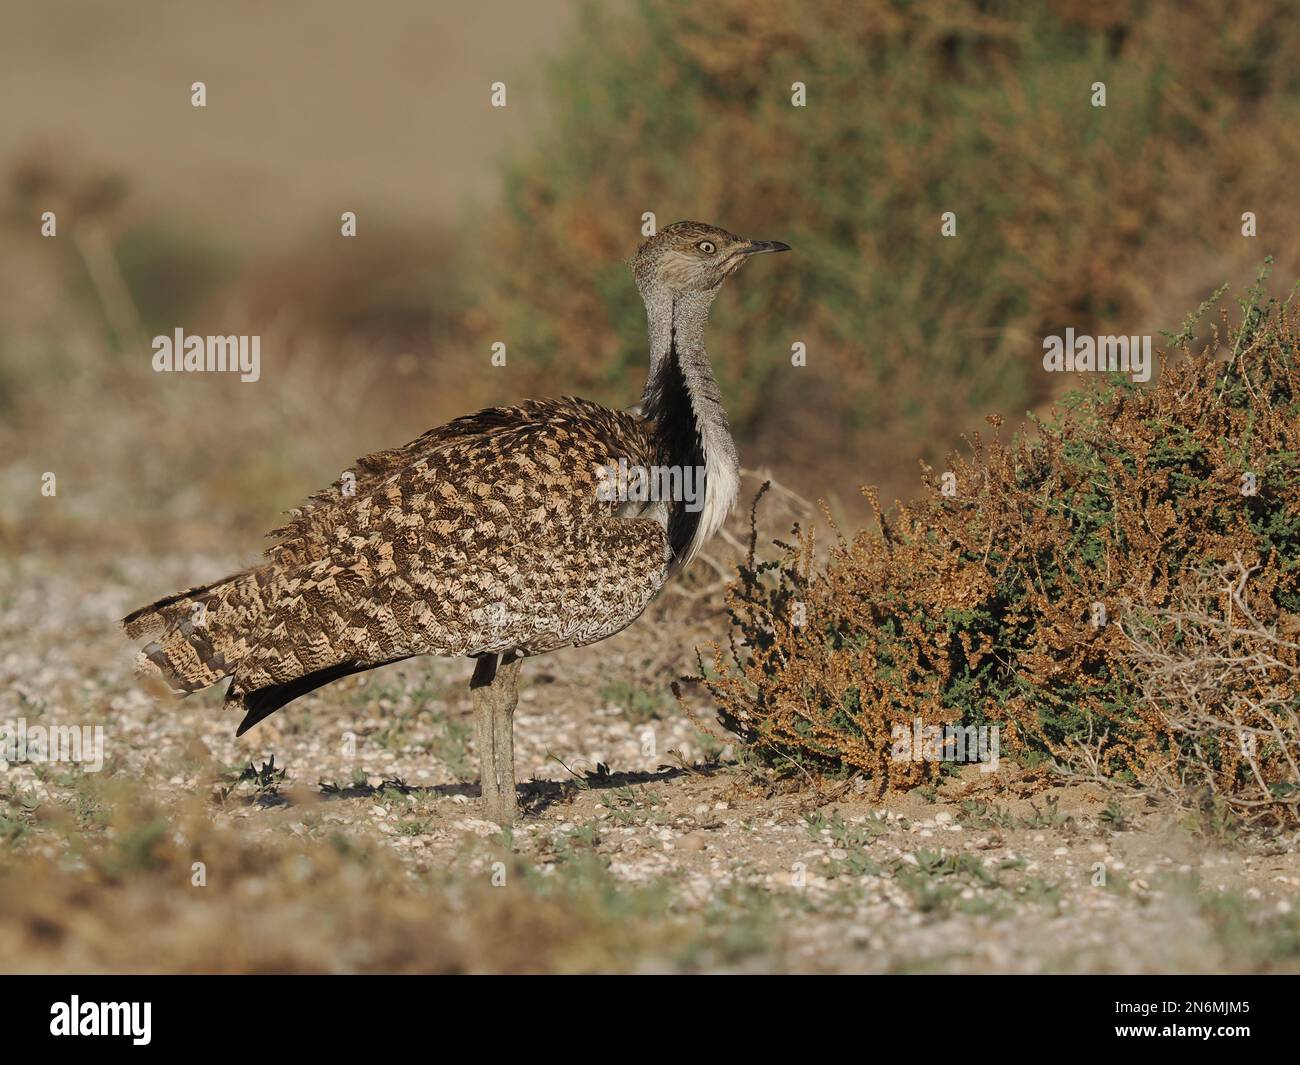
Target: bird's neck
x: 683, y: 402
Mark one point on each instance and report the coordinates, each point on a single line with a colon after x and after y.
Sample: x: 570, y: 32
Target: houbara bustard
x: 496, y: 536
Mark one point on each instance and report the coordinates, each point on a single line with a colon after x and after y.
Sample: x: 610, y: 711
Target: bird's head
x: 694, y: 257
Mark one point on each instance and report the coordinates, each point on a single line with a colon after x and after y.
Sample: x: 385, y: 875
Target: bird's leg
x: 494, y: 690
x: 480, y: 692
x: 505, y: 699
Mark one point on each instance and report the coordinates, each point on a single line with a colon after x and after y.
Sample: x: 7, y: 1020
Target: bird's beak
x: 758, y: 247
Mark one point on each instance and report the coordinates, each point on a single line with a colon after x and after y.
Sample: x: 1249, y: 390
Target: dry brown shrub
x: 981, y: 606
x: 1223, y: 688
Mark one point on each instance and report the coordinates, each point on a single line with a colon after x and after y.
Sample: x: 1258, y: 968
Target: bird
x: 499, y: 536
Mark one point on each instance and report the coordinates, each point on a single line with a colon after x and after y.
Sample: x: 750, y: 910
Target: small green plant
x: 844, y: 833
x: 414, y: 826
x: 1115, y: 816
x: 17, y: 816
x: 450, y: 745
x: 639, y: 705
x: 1050, y: 817
x: 630, y: 806
x: 978, y: 814
x: 1041, y: 892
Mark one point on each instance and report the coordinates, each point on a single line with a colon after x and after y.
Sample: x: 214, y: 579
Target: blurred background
x: 479, y: 224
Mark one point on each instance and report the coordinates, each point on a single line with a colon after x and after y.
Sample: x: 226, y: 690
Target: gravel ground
x: 1008, y: 872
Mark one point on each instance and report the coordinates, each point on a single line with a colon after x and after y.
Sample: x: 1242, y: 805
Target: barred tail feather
x: 202, y: 633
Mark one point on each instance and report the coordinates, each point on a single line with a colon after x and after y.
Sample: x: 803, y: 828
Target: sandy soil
x: 1007, y: 872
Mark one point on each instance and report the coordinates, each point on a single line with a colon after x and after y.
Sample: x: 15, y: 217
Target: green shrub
x: 984, y: 109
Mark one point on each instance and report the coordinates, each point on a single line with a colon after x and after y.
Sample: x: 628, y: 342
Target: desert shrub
x: 983, y: 109
x: 999, y: 601
x: 1223, y: 687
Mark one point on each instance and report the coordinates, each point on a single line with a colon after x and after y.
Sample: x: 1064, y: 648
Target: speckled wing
x: 487, y: 534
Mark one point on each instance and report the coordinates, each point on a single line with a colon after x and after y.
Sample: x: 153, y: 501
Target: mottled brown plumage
x: 485, y: 537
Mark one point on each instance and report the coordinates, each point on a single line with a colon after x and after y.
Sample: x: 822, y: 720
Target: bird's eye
x: 706, y: 246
